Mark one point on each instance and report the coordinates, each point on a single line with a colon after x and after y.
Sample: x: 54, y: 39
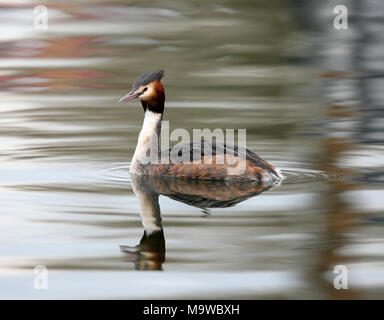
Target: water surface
x: 309, y: 96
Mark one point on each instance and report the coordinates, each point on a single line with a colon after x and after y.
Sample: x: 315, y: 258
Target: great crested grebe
x: 218, y: 164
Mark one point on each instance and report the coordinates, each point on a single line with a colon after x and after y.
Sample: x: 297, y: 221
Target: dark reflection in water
x: 150, y: 253
x: 352, y: 74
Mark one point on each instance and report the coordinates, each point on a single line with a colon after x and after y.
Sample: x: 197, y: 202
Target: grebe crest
x: 150, y: 91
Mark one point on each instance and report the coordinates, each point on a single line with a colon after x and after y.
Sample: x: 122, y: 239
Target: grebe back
x: 217, y: 165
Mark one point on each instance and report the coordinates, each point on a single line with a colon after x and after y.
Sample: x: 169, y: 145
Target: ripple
x: 298, y: 175
x: 120, y: 173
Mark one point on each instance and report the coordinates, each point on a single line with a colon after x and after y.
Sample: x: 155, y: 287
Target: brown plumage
x: 207, y: 169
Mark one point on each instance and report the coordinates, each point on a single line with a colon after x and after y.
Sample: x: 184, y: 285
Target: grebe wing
x: 196, y: 150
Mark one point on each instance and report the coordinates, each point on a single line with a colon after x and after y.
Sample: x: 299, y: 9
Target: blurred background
x: 309, y: 95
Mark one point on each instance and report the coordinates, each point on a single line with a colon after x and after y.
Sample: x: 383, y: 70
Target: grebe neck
x: 149, y: 135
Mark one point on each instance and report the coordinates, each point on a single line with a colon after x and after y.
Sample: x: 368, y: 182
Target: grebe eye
x: 145, y: 89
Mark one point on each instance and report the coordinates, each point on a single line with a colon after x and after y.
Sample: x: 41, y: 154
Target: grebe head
x: 149, y: 89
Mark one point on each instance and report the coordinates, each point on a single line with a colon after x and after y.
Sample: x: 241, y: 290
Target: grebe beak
x: 129, y: 96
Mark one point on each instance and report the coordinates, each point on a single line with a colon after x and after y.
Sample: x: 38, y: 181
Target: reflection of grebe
x: 217, y: 165
x: 150, y: 253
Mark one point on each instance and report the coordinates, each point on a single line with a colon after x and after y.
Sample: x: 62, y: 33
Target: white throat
x: 148, y: 137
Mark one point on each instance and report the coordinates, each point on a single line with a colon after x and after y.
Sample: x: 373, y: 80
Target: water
x: 309, y: 96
